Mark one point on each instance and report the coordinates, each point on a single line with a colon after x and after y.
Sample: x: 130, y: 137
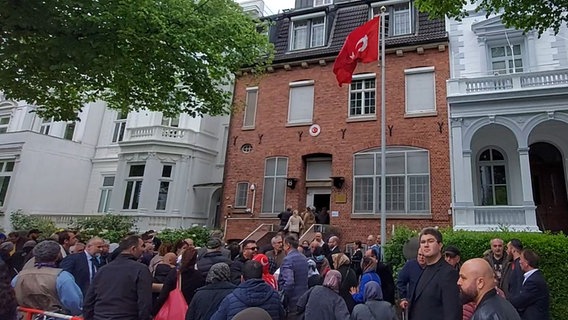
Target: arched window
x: 493, y: 178
x: 407, y: 181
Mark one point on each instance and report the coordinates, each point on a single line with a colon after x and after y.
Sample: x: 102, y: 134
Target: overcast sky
x: 274, y: 6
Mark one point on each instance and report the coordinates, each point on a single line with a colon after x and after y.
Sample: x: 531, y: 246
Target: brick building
x: 274, y: 162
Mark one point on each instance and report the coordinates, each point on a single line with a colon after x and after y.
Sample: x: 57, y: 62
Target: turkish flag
x: 361, y: 45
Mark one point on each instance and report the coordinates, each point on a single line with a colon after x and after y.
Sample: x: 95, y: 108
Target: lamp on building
x: 291, y: 182
x: 338, y: 182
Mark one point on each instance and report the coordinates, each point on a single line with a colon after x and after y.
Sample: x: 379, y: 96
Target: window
x: 407, y: 181
x: 106, y: 193
x: 170, y: 122
x: 133, y: 186
x: 318, y: 169
x: 274, y: 193
x: 506, y: 59
x: 420, y: 90
x: 250, y: 108
x: 45, y: 126
x: 242, y: 195
x: 493, y: 178
x: 362, y: 96
x: 164, y: 187
x: 318, y: 3
x: 301, y: 108
x: 399, y: 18
x: 119, y: 127
x: 308, y: 33
x: 6, y: 169
x: 246, y: 148
x: 4, y: 123
x: 69, y: 130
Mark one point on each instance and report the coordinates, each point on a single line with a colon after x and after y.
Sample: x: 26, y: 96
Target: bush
x: 24, y: 222
x: 199, y: 235
x: 112, y: 227
x: 552, y: 249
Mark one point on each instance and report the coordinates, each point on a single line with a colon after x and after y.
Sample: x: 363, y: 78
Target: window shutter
x: 301, y: 107
x: 250, y: 109
x: 420, y: 92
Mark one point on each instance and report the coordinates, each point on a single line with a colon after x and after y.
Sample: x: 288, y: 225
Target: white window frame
x: 170, y: 122
x: 508, y: 59
x: 269, y: 204
x: 106, y: 193
x: 391, y: 18
x: 491, y: 164
x: 364, y: 91
x: 303, y: 104
x: 4, y: 126
x: 249, y: 117
x: 132, y: 200
x: 45, y: 126
x: 371, y: 197
x: 411, y: 97
x: 319, y: 3
x: 309, y: 30
x: 167, y: 181
x: 119, y: 127
x: 7, y: 167
x: 242, y: 189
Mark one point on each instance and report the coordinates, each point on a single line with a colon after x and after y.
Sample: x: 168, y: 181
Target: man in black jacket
x: 123, y: 288
x: 533, y: 300
x: 212, y: 256
x: 477, y: 284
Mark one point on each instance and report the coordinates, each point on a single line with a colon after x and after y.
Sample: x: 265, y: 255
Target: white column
x: 526, y: 185
x: 150, y: 184
x: 119, y: 188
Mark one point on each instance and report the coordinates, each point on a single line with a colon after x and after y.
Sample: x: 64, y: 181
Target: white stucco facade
x: 508, y: 102
x: 67, y: 172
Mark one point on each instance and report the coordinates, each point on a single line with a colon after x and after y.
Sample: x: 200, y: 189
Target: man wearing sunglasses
x: 249, y: 250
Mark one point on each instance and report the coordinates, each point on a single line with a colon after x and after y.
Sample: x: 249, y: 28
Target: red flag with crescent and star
x: 361, y: 45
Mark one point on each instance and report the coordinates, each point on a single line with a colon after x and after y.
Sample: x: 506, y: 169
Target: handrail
x: 29, y: 312
x: 312, y: 229
x: 256, y: 230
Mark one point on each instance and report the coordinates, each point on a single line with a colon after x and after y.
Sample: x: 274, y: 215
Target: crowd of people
x: 285, y: 279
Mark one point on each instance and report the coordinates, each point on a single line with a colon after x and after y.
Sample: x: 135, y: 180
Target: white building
x: 508, y: 99
x: 165, y: 172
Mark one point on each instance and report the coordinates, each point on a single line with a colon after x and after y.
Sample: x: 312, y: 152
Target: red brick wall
x: 331, y: 113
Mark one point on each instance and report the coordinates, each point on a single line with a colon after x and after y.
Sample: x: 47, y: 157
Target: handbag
x: 175, y: 306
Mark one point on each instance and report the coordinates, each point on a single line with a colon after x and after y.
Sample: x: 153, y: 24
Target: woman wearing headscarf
x: 314, y: 277
x: 266, y: 276
x: 191, y: 279
x: 374, y: 308
x: 368, y: 265
x: 207, y: 299
x: 348, y: 278
x: 324, y: 302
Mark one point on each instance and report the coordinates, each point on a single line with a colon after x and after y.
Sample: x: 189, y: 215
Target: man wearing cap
x: 453, y: 257
x: 46, y: 287
x: 212, y: 256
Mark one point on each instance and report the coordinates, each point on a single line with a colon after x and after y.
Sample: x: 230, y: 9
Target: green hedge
x: 552, y: 249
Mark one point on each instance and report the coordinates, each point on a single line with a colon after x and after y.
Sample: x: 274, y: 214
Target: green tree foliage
x: 199, y: 235
x: 170, y: 55
x: 552, y: 249
x: 24, y: 222
x: 112, y: 227
x: 526, y: 15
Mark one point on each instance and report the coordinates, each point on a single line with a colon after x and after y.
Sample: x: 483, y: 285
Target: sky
x: 275, y: 5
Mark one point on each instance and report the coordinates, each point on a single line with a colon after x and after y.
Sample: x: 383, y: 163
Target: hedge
x: 552, y: 249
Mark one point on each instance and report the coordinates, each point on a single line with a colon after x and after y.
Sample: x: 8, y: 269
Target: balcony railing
x: 161, y: 133
x: 517, y: 81
x: 484, y: 218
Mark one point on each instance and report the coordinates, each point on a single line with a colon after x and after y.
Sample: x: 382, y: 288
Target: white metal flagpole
x: 383, y: 137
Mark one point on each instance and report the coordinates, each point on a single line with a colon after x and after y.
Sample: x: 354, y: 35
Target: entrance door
x: 319, y: 198
x: 549, y: 187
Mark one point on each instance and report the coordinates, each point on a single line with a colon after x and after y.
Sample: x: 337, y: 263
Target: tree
x: 172, y: 56
x: 526, y: 15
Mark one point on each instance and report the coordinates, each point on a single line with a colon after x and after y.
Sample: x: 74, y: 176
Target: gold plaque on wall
x: 340, y: 198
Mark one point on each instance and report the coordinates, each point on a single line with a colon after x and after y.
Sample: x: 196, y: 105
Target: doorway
x: 319, y: 198
x: 549, y: 187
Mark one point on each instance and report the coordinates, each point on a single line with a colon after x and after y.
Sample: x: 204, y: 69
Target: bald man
x: 477, y: 284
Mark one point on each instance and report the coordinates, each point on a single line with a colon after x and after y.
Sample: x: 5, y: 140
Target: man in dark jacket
x: 293, y: 279
x: 408, y: 276
x: 123, y: 288
x: 211, y: 257
x: 512, y: 277
x: 533, y: 300
x: 250, y: 249
x: 284, y: 216
x: 207, y: 299
x: 477, y: 284
x: 252, y: 292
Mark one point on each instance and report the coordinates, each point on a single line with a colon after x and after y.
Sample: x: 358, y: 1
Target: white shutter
x: 301, y: 106
x: 420, y: 90
x: 250, y: 108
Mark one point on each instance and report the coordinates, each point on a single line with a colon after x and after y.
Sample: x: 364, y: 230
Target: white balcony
x: 160, y: 133
x: 486, y: 218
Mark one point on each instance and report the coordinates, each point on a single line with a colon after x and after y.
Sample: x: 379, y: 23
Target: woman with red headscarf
x: 266, y: 276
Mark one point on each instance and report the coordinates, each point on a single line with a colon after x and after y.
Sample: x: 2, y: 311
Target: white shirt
x: 528, y: 274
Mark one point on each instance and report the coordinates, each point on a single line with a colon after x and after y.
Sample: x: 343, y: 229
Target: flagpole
x: 383, y: 136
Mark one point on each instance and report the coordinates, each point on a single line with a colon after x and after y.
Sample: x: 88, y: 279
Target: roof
x: 341, y: 20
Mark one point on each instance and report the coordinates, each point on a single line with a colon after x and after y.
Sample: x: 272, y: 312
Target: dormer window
x: 399, y: 18
x: 308, y: 32
x: 318, y: 3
